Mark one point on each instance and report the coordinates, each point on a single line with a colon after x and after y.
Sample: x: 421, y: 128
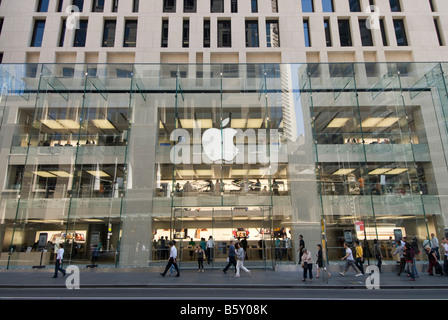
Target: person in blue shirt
x: 232, y: 260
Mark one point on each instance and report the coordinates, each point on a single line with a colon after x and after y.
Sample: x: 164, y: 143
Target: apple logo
x: 214, y: 144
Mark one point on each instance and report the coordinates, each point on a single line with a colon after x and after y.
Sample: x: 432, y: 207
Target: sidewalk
x: 150, y: 277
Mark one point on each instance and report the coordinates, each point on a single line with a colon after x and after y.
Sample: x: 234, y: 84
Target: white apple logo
x: 214, y: 143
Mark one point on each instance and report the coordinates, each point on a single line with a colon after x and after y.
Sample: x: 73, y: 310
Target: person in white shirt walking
x: 172, y: 260
x: 240, y: 255
x: 58, y: 262
x: 349, y: 261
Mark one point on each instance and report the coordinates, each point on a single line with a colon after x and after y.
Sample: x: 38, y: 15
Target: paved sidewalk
x: 150, y: 277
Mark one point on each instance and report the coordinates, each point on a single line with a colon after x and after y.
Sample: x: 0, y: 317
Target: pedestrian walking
x: 400, y: 251
x: 307, y: 264
x: 378, y: 254
x: 231, y: 258
x: 240, y: 255
x: 359, y: 257
x: 432, y: 258
x: 301, y: 246
x: 435, y: 245
x: 210, y: 248
x: 58, y: 263
x: 409, y: 257
x: 172, y: 260
x: 445, y: 256
x: 200, y: 253
x: 349, y: 261
x: 320, y: 262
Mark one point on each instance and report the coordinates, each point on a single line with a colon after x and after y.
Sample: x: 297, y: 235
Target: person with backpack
x: 240, y: 255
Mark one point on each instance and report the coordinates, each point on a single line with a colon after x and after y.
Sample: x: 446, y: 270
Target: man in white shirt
x: 172, y: 260
x: 58, y: 262
x: 349, y: 261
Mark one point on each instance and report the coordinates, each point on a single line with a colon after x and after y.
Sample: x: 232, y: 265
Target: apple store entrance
x: 212, y: 228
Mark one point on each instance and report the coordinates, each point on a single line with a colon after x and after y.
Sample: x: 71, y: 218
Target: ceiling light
x: 62, y: 174
x: 103, y: 124
x: 98, y: 173
x: 44, y: 174
x: 337, y: 122
x: 69, y: 124
x: 387, y: 122
x: 397, y: 171
x: 53, y: 124
x: 254, y: 123
x: 238, y: 123
x: 343, y: 171
x: 371, y: 122
x: 379, y: 171
x: 192, y: 123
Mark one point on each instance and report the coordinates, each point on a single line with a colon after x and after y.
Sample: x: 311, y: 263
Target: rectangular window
x: 252, y: 34
x: 165, y: 33
x: 254, y: 6
x: 169, y: 5
x: 439, y: 34
x: 234, y: 6
x: 216, y: 6
x: 81, y: 34
x: 224, y: 34
x: 135, y: 5
x: 307, y: 6
x: 42, y: 6
x: 306, y: 33
x: 400, y: 32
x: 206, y: 33
x: 395, y: 5
x: 189, y: 5
x: 327, y: 6
x: 344, y: 33
x: 366, y: 34
x: 383, y: 32
x: 130, y: 34
x: 355, y: 5
x: 79, y: 4
x: 97, y: 5
x: 432, y: 6
x: 114, y: 5
x: 186, y: 34
x: 274, y: 6
x: 60, y: 3
x: 272, y: 33
x: 62, y: 34
x: 109, y: 33
x: 38, y: 33
x: 327, y: 32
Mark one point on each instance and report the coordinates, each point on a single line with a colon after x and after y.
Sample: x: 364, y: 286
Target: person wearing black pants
x: 58, y: 262
x: 232, y: 260
x: 172, y: 260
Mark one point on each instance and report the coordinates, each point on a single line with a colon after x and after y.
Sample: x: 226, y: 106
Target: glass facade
x: 121, y: 158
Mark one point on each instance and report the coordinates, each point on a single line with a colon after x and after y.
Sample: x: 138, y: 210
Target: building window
x: 62, y: 34
x: 395, y: 5
x: 186, y: 34
x: 216, y: 6
x: 234, y: 6
x: 306, y: 33
x: 327, y: 6
x: 60, y: 3
x: 114, y: 5
x: 274, y: 6
x: 224, y: 34
x: 38, y: 33
x: 438, y: 32
x: 272, y: 33
x: 42, y: 6
x: 130, y: 34
x: 169, y: 5
x: 383, y: 32
x: 400, y: 32
x: 206, y: 33
x: 135, y: 5
x: 164, y: 33
x: 432, y: 6
x: 307, y: 6
x: 109, y: 33
x: 252, y: 34
x: 366, y: 34
x: 254, y: 6
x: 79, y: 4
x: 189, y: 5
x: 97, y: 5
x: 355, y: 5
x: 344, y: 33
x: 327, y: 32
x: 81, y: 34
